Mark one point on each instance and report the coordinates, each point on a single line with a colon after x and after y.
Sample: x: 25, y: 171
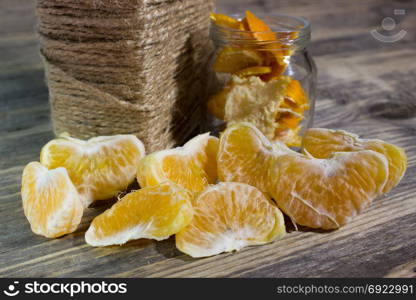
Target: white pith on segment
x: 143, y: 214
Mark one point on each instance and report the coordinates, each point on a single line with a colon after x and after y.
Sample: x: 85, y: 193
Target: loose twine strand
x: 126, y: 66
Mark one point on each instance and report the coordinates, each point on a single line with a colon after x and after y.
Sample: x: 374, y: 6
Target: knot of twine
x: 126, y: 66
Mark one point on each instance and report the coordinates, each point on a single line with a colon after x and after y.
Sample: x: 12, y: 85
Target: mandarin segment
x: 322, y: 143
x: 245, y: 155
x: 51, y: 202
x: 100, y: 167
x: 327, y: 193
x: 318, y: 193
x: 229, y: 216
x: 193, y: 166
x: 155, y: 212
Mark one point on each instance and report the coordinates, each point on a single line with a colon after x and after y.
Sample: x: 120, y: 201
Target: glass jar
x: 266, y: 78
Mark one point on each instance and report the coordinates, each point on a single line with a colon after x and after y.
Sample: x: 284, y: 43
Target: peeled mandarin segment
x: 246, y: 155
x: 192, y: 166
x: 154, y: 213
x: 319, y: 193
x: 255, y: 101
x: 327, y: 193
x: 253, y: 71
x: 397, y: 161
x: 229, y: 216
x: 231, y: 60
x: 225, y: 21
x: 51, y: 202
x: 100, y: 167
x: 322, y: 143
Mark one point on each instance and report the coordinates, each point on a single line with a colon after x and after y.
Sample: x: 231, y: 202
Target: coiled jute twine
x: 126, y: 66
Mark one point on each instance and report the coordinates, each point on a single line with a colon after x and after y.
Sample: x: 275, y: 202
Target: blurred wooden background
x: 364, y: 85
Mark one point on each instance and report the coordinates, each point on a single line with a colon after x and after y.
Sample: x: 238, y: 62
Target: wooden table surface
x: 365, y: 86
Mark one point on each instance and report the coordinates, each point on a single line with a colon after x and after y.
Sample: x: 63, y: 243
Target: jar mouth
x: 291, y: 33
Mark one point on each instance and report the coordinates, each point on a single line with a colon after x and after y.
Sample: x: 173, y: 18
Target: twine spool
x: 126, y: 66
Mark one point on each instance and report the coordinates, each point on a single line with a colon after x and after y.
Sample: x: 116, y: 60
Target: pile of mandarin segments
x: 214, y: 194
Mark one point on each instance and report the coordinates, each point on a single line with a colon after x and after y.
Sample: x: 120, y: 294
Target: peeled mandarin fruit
x: 51, y: 202
x: 192, y: 166
x: 225, y: 21
x: 155, y: 212
x: 322, y: 143
x: 245, y: 155
x: 327, y: 193
x: 100, y: 167
x: 231, y: 60
x: 318, y: 193
x: 229, y: 216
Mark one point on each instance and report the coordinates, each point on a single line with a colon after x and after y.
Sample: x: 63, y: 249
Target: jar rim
x: 280, y: 24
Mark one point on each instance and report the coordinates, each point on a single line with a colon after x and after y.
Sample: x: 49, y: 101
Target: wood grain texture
x: 365, y: 86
